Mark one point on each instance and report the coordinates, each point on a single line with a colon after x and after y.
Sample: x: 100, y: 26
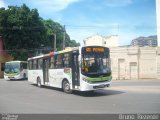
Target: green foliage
x: 55, y: 28
x: 23, y: 29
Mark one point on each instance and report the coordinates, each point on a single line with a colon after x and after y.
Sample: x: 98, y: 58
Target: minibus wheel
x: 39, y: 82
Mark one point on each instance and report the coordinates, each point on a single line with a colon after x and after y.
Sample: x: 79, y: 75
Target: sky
x: 128, y: 19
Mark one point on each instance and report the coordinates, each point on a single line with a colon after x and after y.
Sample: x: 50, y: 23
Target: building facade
x: 145, y: 41
x: 130, y: 62
x: 107, y: 41
x: 135, y: 63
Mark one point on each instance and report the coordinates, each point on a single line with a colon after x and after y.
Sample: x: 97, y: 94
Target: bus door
x: 45, y: 70
x: 75, y: 69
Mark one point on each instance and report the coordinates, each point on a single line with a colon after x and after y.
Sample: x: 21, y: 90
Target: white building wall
x: 135, y: 63
x: 109, y: 41
x: 158, y: 62
x: 147, y: 66
x: 94, y: 40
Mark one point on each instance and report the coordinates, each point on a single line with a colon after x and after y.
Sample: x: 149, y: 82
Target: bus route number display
x: 95, y: 50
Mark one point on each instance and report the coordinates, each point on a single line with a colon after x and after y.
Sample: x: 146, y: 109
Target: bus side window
x: 55, y: 61
x: 52, y: 63
x: 66, y: 60
x: 49, y: 63
x: 30, y: 66
x: 59, y: 62
x: 35, y: 64
x: 24, y: 65
x: 21, y: 66
x: 40, y: 63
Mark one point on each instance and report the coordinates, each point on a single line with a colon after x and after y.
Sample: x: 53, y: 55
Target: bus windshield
x: 95, y: 62
x: 12, y: 67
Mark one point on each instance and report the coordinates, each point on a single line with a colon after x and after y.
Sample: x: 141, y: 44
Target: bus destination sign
x: 94, y: 49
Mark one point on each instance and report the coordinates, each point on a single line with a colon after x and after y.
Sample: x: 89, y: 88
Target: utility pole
x: 64, y: 37
x: 55, y: 49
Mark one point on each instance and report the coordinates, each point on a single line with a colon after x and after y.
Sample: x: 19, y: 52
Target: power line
x: 92, y: 26
x: 22, y: 50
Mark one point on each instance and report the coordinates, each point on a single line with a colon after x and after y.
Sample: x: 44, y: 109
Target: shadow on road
x: 97, y: 93
x: 48, y: 87
x: 12, y: 80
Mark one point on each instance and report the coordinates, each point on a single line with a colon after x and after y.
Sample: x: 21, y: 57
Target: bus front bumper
x: 88, y: 86
x: 101, y: 86
x: 16, y: 77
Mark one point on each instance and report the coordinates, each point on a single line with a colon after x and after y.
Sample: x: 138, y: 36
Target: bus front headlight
x: 84, y: 79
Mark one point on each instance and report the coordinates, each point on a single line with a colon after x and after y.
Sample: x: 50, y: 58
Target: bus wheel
x: 66, y: 87
x: 39, y: 82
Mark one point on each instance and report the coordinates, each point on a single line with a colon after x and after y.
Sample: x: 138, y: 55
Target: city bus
x: 83, y: 69
x: 15, y: 70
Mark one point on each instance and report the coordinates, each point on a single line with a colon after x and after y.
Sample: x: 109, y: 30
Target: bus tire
x: 39, y: 82
x: 66, y: 87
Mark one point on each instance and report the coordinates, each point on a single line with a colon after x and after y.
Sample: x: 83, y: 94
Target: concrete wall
x: 94, y: 40
x: 135, y: 63
x: 111, y: 41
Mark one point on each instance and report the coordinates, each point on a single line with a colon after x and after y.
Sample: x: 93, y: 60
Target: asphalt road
x: 125, y: 96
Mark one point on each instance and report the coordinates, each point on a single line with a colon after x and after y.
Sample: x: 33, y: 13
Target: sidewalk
x: 1, y: 78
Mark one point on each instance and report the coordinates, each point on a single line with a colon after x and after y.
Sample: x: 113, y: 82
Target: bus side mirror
x: 21, y: 67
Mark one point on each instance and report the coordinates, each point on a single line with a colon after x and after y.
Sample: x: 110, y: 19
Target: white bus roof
x: 15, y: 61
x: 69, y: 49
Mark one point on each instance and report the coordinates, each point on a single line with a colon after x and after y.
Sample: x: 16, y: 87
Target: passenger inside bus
x: 94, y: 66
x: 90, y: 66
x: 85, y: 67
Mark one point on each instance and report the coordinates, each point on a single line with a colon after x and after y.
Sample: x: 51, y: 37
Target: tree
x: 55, y: 28
x: 72, y: 43
x: 21, y: 28
x: 25, y: 31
